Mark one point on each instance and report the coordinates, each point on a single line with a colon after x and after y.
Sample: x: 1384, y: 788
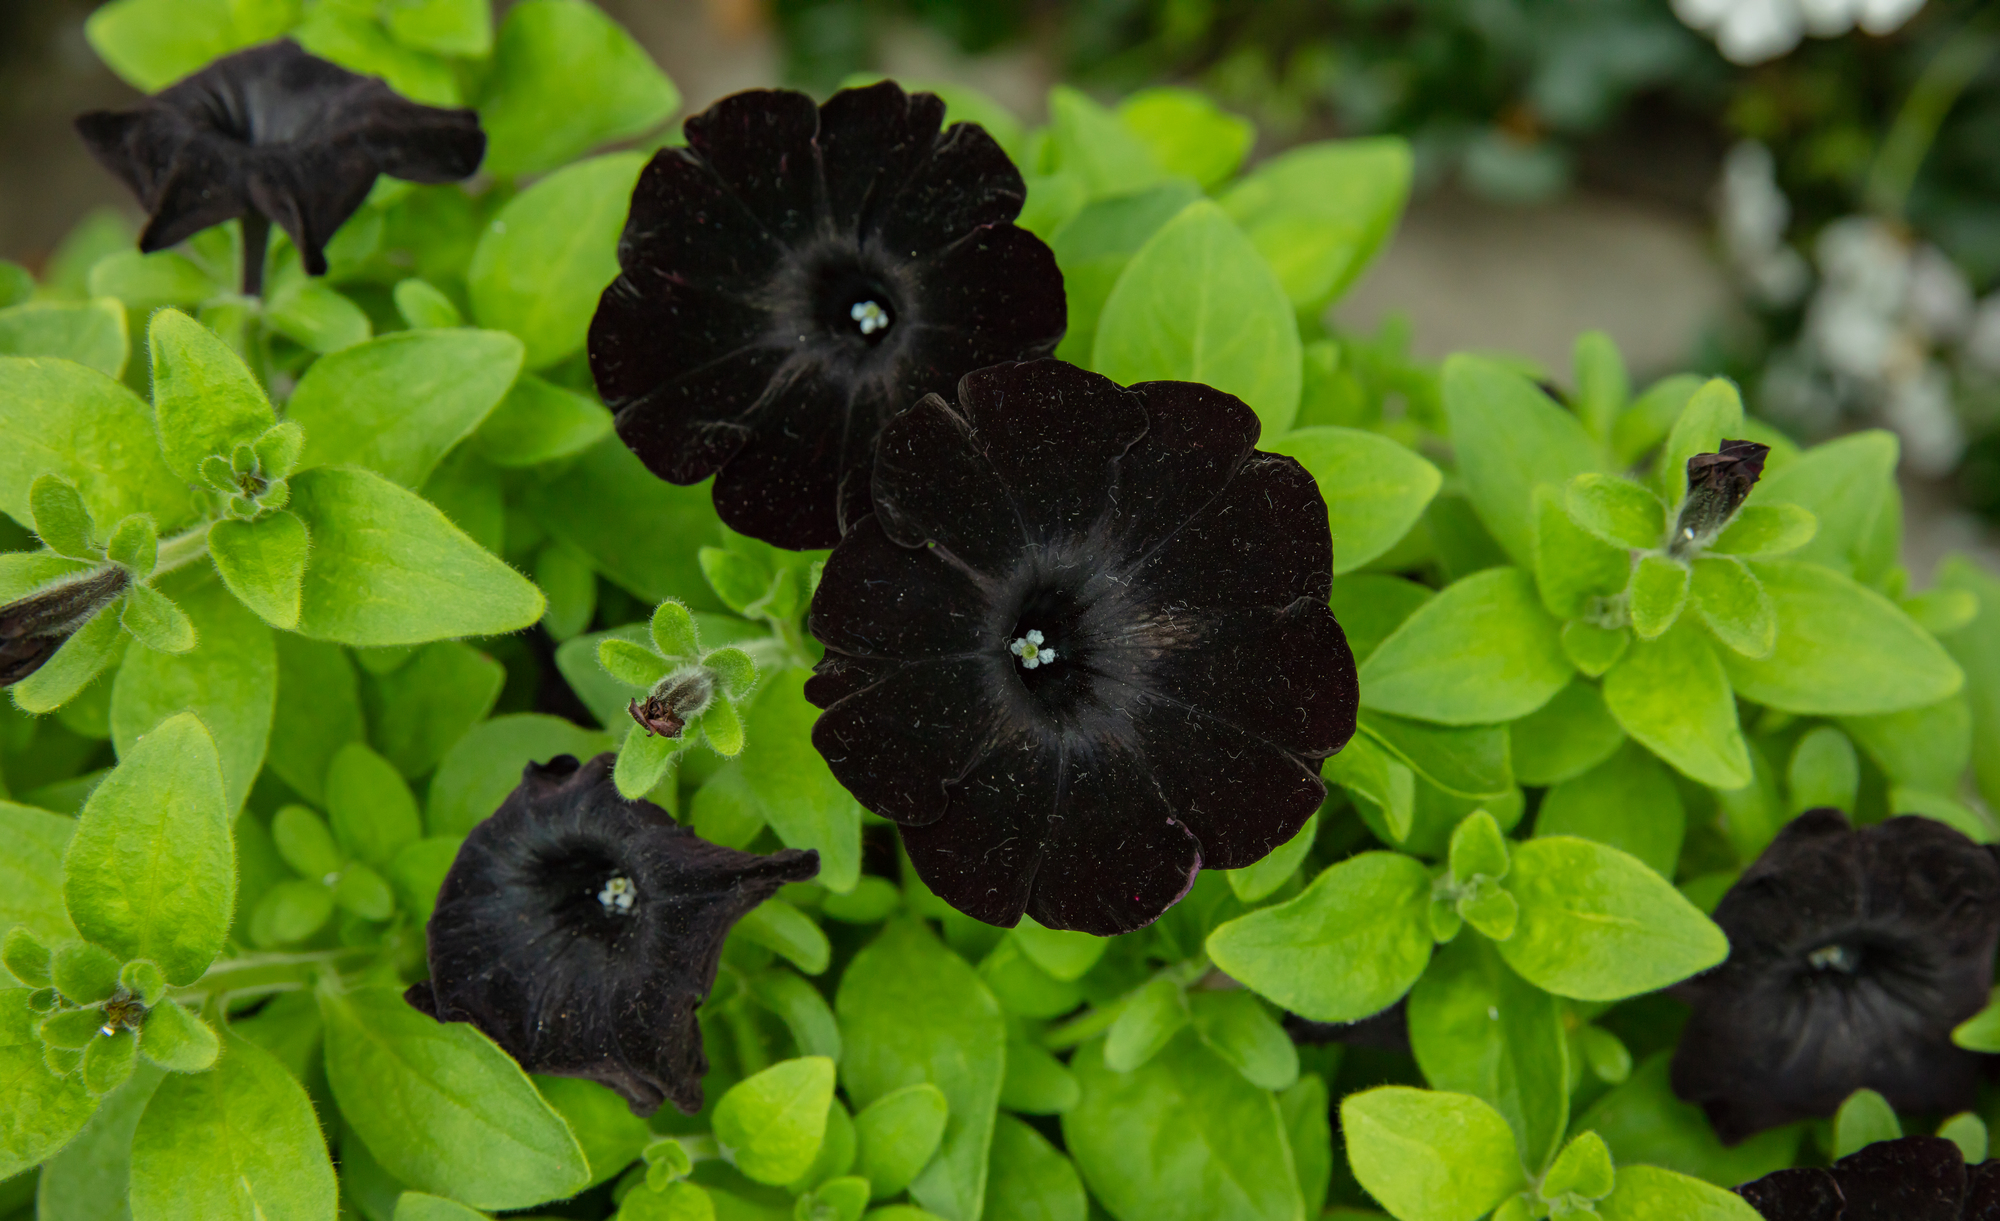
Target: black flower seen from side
x: 1717, y: 485
x: 581, y: 932
x: 274, y: 134
x: 1852, y: 954
x: 796, y: 276
x: 34, y: 627
x: 1916, y: 1178
x: 1082, y: 647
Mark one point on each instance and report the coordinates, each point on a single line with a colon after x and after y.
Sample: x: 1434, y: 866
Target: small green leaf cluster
x: 229, y: 799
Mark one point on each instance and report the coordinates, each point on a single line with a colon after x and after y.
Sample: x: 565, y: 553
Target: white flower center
x: 1031, y: 651
x: 869, y: 316
x: 618, y: 895
x: 1835, y: 957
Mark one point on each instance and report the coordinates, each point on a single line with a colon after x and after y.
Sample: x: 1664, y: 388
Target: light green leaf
x: 151, y: 870
x: 1673, y: 695
x: 63, y: 419
x: 545, y: 259
x: 318, y: 712
x: 1847, y: 484
x: 789, y: 782
x: 1092, y: 146
x: 1597, y: 924
x: 1648, y: 1193
x: 315, y: 315
x: 1030, y: 1179
x: 1198, y: 304
x: 1763, y: 531
x: 1928, y: 747
x: 1150, y: 1017
x: 485, y: 765
x: 31, y: 872
x: 896, y: 1136
x: 1320, y: 213
x: 229, y: 680
x: 770, y: 1124
x: 387, y: 568
x: 1509, y: 437
x: 1824, y: 771
x: 153, y: 43
x: 417, y: 710
x: 1477, y: 1028
x: 422, y: 304
x: 1375, y: 489
x: 1430, y: 1155
x: 81, y: 658
x: 1658, y: 591
x: 177, y: 1040
x: 370, y: 809
x: 421, y: 1206
x: 351, y: 37
x: 1602, y: 385
x: 1843, y: 649
x: 263, y: 563
x: 1863, y: 1119
x: 1573, y: 567
x: 590, y: 508
x: 1713, y: 414
x: 1643, y: 1121
x: 61, y: 519
x: 1344, y: 948
x: 442, y: 1108
x: 567, y: 78
x: 204, y: 400
x: 1188, y: 133
x: 90, y: 1179
x: 1565, y: 737
x: 397, y: 403
x: 1629, y: 802
x: 240, y: 1141
x: 462, y: 28
x: 43, y: 1110
x: 1236, y: 1026
x: 1616, y: 510
x: 156, y: 622
x: 144, y: 282
x: 611, y: 1135
x: 1093, y: 247
x: 788, y: 932
x: 539, y: 422
x: 1184, y: 1138
x: 1481, y: 652
x: 1254, y: 882
x: 91, y: 333
x: 912, y: 1011
x: 1733, y: 604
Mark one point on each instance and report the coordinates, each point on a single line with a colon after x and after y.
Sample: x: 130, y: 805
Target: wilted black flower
x: 581, y: 932
x: 1082, y: 646
x: 274, y: 134
x: 1717, y: 486
x: 1852, y: 954
x: 34, y: 627
x: 1916, y: 1178
x: 796, y: 276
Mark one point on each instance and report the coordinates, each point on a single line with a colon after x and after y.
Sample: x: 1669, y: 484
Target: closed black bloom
x: 1718, y: 483
x: 1082, y: 647
x: 1852, y: 954
x: 797, y: 275
x: 34, y: 627
x: 1916, y: 1178
x: 274, y: 134
x: 581, y: 932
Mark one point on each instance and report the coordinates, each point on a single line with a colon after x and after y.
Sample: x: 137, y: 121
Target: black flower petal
x: 1082, y: 646
x: 581, y: 932
x: 1718, y: 483
x: 1853, y: 953
x: 274, y: 134
x: 34, y: 627
x: 795, y: 277
x: 1916, y: 1178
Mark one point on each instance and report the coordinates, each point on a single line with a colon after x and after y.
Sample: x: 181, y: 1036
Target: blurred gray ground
x: 1468, y: 274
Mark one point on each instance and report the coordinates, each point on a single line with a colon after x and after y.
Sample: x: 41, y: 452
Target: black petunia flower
x: 1852, y: 954
x: 1916, y: 1178
x: 795, y: 277
x: 274, y: 134
x: 1717, y: 485
x: 34, y: 627
x: 581, y: 932
x: 1082, y: 647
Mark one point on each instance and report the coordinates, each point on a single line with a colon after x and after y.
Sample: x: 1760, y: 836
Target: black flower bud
x: 1916, y: 1178
x: 1717, y: 486
x: 581, y: 932
x: 34, y: 627
x: 1853, y: 952
x: 274, y: 134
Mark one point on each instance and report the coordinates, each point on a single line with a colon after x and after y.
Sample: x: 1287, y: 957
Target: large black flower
x: 581, y: 932
x: 1082, y: 647
x: 1917, y: 1178
x: 274, y: 134
x: 799, y: 274
x: 1852, y: 954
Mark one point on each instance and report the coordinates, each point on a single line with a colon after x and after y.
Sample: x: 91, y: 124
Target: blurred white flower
x: 1754, y: 214
x: 1919, y: 409
x: 1982, y: 338
x: 1752, y: 31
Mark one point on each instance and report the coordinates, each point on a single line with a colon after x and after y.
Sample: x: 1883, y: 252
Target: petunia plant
x: 907, y: 635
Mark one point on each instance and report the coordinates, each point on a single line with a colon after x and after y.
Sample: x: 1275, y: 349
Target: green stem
x: 1956, y: 65
x: 263, y: 973
x: 181, y: 550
